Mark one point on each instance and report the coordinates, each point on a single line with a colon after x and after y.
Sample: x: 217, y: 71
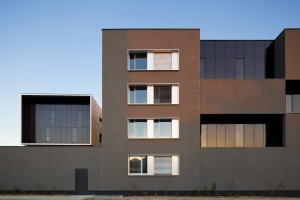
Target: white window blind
x: 162, y: 61
x: 163, y: 165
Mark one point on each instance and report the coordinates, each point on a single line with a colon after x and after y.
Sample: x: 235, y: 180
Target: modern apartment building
x: 179, y: 114
x: 183, y: 113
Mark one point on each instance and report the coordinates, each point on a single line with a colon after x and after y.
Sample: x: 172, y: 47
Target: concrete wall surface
x: 48, y: 168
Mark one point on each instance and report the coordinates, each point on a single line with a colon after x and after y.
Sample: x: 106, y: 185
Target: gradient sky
x: 54, y: 46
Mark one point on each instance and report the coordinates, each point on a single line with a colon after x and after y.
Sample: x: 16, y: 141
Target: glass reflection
x: 54, y: 123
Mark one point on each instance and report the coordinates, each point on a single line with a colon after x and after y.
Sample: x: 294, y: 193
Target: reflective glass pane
x: 85, y: 135
x: 259, y: 48
x: 259, y: 135
x: 259, y: 68
x: 131, y: 62
x: 230, y: 68
x: 53, y: 135
x: 249, y: 48
x: 141, y: 61
x: 141, y: 95
x: 249, y: 68
x: 296, y: 103
x: 220, y: 49
x: 211, y: 135
x: 210, y: 49
x: 230, y: 49
x: 220, y: 68
x: 79, y: 135
x: 64, y: 135
x: 240, y: 49
x: 135, y: 165
x: 145, y: 165
x: 210, y: 68
x: 58, y: 136
x: 239, y: 135
x: 203, y: 135
x: 140, y: 128
x: 239, y: 64
x: 249, y: 135
x: 163, y: 128
x: 220, y: 135
x: 230, y: 135
x: 131, y: 128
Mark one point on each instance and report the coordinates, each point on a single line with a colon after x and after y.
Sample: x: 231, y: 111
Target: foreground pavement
x: 96, y: 197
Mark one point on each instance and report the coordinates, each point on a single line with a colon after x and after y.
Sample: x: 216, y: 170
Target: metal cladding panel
x: 292, y: 55
x: 242, y: 96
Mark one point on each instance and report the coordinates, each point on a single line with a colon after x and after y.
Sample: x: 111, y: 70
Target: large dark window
x: 292, y: 96
x: 61, y: 120
x: 230, y: 59
x: 233, y: 135
x: 138, y: 165
x: 162, y: 94
x: 242, y: 130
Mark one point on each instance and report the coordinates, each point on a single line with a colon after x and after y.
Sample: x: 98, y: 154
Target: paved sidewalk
x: 96, y: 197
x: 46, y: 197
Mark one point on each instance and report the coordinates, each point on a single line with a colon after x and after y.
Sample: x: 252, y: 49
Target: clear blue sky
x: 54, y: 46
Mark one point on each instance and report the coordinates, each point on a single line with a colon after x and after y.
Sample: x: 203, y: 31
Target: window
x: 162, y: 94
x: 239, y: 68
x: 163, y: 165
x: 153, y: 165
x: 79, y: 117
x: 162, y: 61
x: 138, y: 94
x: 154, y: 94
x: 138, y: 129
x: 293, y: 103
x: 74, y: 134
x: 138, y: 165
x: 163, y: 128
x: 153, y: 128
x: 52, y: 117
x: 224, y: 59
x: 153, y: 60
x: 48, y: 135
x: 233, y: 135
x: 138, y: 61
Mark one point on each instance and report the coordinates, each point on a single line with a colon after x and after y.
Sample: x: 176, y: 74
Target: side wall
x: 292, y: 55
x: 48, y: 168
x: 96, y: 113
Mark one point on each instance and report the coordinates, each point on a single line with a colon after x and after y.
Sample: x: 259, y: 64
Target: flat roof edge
x: 236, y: 40
x: 150, y: 29
x: 53, y: 94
